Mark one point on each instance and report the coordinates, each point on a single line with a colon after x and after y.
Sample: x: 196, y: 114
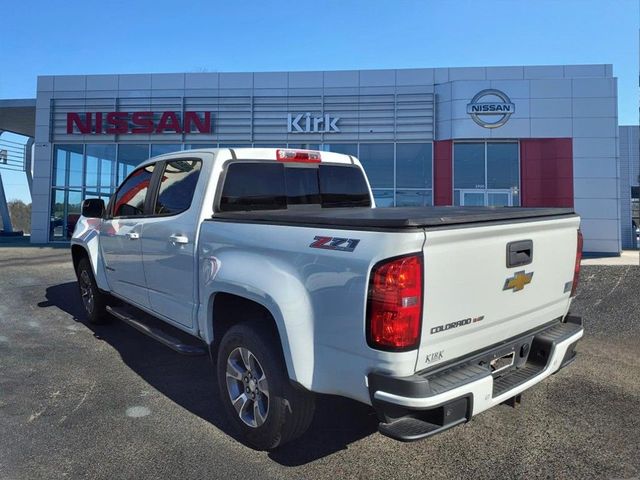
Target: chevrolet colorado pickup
x: 277, y: 263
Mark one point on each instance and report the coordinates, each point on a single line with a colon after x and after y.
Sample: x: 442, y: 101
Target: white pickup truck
x: 279, y: 265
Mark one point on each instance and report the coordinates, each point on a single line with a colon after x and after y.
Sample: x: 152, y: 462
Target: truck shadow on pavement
x: 190, y: 383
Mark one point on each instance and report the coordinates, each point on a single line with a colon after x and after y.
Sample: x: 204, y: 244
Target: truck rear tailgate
x: 474, y: 300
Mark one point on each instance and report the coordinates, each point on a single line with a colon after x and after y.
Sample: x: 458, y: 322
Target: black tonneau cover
x: 391, y: 218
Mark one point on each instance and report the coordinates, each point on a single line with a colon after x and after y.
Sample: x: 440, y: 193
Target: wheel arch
x: 229, y: 307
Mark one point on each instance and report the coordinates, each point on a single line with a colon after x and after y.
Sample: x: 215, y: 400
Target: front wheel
x: 93, y: 300
x: 266, y: 409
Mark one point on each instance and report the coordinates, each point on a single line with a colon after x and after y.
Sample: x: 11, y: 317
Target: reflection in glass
x: 377, y: 160
x: 304, y: 146
x: 129, y: 156
x: 56, y: 223
x: 468, y: 165
x: 413, y: 198
x: 383, y: 198
x: 101, y: 161
x: 68, y: 161
x: 503, y: 169
x: 413, y: 165
x: 162, y: 149
x: 177, y: 186
x: 473, y: 199
x: 344, y: 148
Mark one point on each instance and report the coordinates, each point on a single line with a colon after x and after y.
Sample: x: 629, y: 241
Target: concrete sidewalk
x: 628, y: 257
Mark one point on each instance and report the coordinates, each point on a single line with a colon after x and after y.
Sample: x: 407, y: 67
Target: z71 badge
x: 335, y: 243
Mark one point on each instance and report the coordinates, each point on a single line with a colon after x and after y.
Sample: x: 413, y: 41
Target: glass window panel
x: 74, y: 207
x: 235, y: 145
x: 177, y: 186
x: 68, y: 157
x: 377, y: 160
x: 413, y: 198
x: 304, y: 146
x: 162, y: 149
x: 270, y: 145
x: 75, y: 168
x: 130, y: 198
x: 129, y: 157
x: 503, y: 166
x: 414, y: 165
x: 91, y: 171
x: 383, y: 198
x: 101, y: 160
x: 498, y: 199
x: 473, y: 199
x: 195, y: 146
x: 468, y: 165
x: 56, y: 223
x: 344, y: 148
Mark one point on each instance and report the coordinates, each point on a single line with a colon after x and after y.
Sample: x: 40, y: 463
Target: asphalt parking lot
x: 78, y: 401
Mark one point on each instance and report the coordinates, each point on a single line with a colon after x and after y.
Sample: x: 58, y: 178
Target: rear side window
x: 130, y: 197
x: 274, y: 186
x: 177, y: 186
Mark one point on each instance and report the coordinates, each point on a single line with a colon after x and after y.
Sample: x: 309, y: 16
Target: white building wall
x: 578, y: 101
x: 573, y: 101
x: 629, y: 176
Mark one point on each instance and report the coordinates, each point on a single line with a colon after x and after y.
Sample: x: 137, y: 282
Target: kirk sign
x: 132, y: 123
x: 306, y: 123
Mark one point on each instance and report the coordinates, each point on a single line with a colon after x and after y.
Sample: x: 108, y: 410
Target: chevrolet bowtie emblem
x: 518, y: 281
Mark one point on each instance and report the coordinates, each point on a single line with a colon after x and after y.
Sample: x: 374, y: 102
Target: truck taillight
x: 576, y: 269
x: 394, y: 304
x: 300, y: 156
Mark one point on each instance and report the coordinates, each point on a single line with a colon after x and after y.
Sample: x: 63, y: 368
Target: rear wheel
x: 93, y: 300
x: 265, y: 408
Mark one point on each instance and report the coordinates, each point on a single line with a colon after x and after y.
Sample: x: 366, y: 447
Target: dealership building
x: 526, y: 135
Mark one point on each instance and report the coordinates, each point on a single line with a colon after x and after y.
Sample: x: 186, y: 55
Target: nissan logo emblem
x: 492, y: 113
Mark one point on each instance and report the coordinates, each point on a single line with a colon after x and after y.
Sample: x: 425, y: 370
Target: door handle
x: 133, y: 235
x: 180, y: 239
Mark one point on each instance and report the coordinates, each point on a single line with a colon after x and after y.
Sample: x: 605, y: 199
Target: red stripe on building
x: 546, y: 166
x: 443, y: 172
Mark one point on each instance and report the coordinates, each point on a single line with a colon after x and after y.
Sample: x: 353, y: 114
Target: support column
x: 28, y: 163
x: 4, y: 210
x: 443, y: 172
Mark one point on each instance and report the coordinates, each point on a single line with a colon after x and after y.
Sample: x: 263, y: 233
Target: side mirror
x: 93, y: 208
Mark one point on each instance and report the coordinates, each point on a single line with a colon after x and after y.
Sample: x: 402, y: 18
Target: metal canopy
x: 18, y: 116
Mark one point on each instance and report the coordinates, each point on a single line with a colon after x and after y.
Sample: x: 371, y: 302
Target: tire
x: 284, y: 411
x: 93, y: 300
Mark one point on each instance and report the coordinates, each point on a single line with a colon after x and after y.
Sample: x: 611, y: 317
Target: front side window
x: 177, y: 186
x: 274, y: 186
x: 130, y: 197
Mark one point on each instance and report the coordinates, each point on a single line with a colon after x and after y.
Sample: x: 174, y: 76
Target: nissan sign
x: 122, y: 123
x: 490, y: 108
x: 305, y: 123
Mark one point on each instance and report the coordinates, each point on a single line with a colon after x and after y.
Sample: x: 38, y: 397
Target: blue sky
x: 84, y: 37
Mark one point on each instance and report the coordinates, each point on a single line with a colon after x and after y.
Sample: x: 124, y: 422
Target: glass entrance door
x: 491, y: 198
x: 472, y: 198
x: 499, y: 198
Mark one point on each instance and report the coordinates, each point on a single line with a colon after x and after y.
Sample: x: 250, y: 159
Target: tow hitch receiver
x: 513, y: 401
